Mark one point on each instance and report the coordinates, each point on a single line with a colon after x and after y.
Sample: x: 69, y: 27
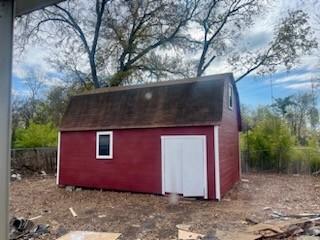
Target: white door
x: 172, y: 167
x: 184, y: 165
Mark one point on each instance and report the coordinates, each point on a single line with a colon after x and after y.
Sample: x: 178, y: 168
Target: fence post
x: 6, y: 42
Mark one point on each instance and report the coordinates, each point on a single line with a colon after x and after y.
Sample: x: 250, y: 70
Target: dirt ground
x: 145, y: 216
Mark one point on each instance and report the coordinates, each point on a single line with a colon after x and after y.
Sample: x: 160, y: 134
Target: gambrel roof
x: 188, y: 102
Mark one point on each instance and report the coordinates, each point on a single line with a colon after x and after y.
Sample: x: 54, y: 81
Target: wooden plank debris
x: 251, y: 220
x: 35, y: 218
x: 301, y: 215
x: 283, y: 229
x: 186, y: 235
x: 185, y: 227
x: 84, y: 235
x: 74, y: 214
x: 223, y: 235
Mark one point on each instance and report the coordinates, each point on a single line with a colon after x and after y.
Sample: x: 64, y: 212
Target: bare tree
x: 76, y: 24
x: 26, y: 107
x: 299, y: 112
x: 140, y: 27
x: 221, y: 21
x: 292, y: 38
x: 119, y: 37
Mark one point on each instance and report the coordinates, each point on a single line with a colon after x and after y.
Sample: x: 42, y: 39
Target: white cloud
x: 20, y: 93
x: 32, y: 56
x: 53, y: 82
x: 256, y: 37
x: 298, y: 77
x: 300, y: 86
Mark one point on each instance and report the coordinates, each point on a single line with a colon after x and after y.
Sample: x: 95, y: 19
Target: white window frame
x: 110, y: 156
x: 230, y: 94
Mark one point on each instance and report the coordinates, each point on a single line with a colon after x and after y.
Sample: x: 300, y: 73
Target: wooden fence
x: 32, y: 160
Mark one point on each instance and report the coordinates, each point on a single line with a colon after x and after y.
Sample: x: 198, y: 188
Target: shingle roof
x: 190, y: 102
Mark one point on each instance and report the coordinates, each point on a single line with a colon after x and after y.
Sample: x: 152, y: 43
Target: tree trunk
x: 94, y: 73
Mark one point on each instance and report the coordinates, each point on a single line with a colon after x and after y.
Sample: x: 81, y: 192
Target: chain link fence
x: 291, y: 161
x: 31, y: 160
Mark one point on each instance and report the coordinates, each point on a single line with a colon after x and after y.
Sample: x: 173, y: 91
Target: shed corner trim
x: 217, y: 163
x: 58, y: 159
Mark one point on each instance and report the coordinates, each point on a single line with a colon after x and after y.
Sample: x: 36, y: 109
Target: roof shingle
x: 192, y: 102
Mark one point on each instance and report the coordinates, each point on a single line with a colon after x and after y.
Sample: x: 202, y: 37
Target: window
x: 104, y: 146
x: 230, y: 97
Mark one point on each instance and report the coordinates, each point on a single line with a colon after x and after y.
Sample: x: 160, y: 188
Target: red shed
x: 168, y: 137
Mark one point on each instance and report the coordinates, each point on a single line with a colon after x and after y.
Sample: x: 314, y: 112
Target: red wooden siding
x: 136, y: 163
x: 229, y: 145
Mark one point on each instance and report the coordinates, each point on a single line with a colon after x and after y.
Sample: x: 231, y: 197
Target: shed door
x: 184, y: 165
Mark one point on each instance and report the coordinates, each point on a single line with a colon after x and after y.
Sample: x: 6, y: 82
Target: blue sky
x: 253, y: 90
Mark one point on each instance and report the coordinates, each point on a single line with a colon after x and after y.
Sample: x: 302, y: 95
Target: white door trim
x: 58, y: 159
x: 205, y: 187
x: 205, y: 168
x: 162, y: 165
x: 217, y: 162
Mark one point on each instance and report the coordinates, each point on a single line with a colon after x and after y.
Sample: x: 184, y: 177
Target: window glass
x: 104, y: 145
x: 230, y: 98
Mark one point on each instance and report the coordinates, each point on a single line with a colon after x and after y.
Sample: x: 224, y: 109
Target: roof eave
x: 80, y: 129
x: 27, y: 6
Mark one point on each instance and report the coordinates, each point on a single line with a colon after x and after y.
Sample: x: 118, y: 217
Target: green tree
x: 270, y: 142
x: 36, y: 135
x: 281, y: 105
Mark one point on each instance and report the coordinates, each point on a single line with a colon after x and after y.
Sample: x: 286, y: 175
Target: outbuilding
x: 177, y: 136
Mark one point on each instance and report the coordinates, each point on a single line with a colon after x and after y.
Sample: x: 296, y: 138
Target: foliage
x: 299, y: 111
x: 269, y: 141
x: 266, y: 140
x: 292, y: 38
x: 36, y: 135
x: 307, y: 158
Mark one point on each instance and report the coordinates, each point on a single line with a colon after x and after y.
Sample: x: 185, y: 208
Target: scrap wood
x: 285, y: 223
x: 316, y: 173
x: 304, y: 223
x: 84, y: 235
x: 307, y: 238
x: 292, y: 231
x: 186, y: 235
x: 35, y: 218
x: 222, y: 235
x: 185, y: 227
x: 73, y: 212
x: 251, y: 220
x: 301, y: 215
x: 260, y: 227
x: 283, y: 229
